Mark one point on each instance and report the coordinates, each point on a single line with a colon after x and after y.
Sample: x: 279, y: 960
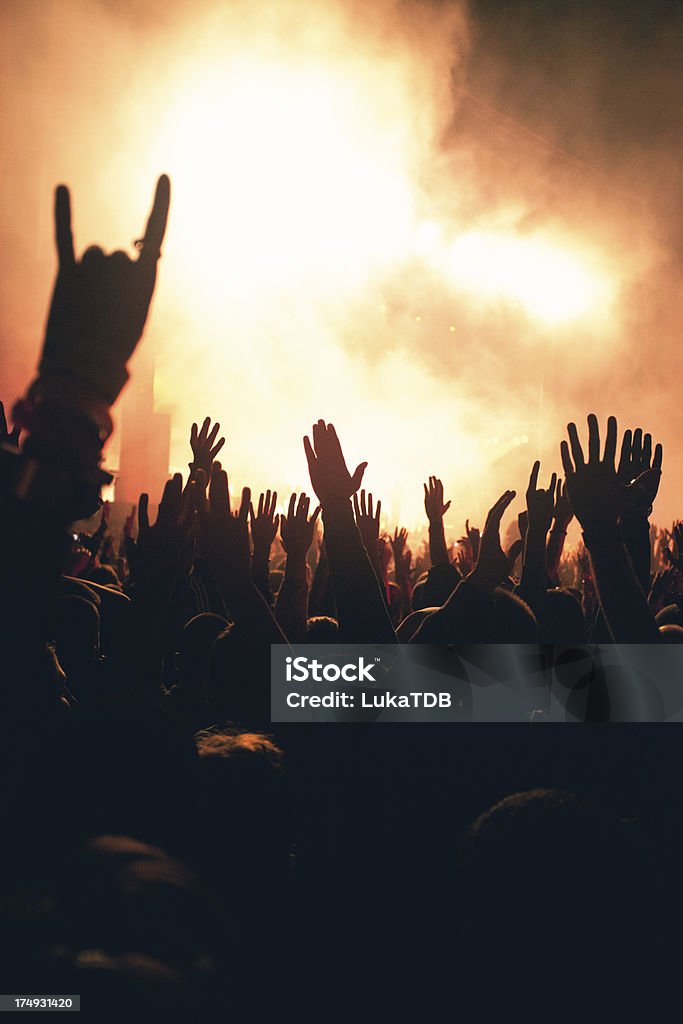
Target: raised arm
x: 639, y: 472
x: 436, y: 510
x: 264, y: 524
x: 597, y: 496
x: 97, y: 315
x: 363, y: 616
x: 562, y: 517
x: 296, y: 533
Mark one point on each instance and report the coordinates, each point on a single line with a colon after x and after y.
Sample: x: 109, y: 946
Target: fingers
x: 193, y: 434
x: 216, y: 448
x: 611, y: 442
x: 63, y: 236
x: 310, y: 455
x: 143, y: 513
x: 219, y: 497
x: 533, y: 478
x: 378, y: 510
x: 496, y: 512
x: 358, y: 475
x: 156, y: 225
x: 647, y: 450
x: 93, y: 259
x: 577, y: 451
x: 593, y: 439
x: 3, y: 421
x: 625, y: 454
x: 567, y: 463
x: 314, y: 517
x: 291, y: 507
x: 245, y: 503
x: 657, y: 458
x: 446, y: 507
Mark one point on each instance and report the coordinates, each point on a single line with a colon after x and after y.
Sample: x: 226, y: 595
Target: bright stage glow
x: 306, y: 183
x: 286, y: 180
x: 549, y: 280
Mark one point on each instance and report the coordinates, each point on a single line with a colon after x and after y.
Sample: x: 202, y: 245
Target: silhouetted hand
x: 402, y: 554
x: 666, y: 588
x: 296, y: 529
x: 264, y: 523
x: 474, y: 539
x: 385, y: 554
x: 594, y: 490
x: 8, y: 436
x: 492, y: 564
x: 463, y: 560
x: 540, y: 503
x: 225, y: 535
x: 163, y: 550
x: 100, y: 303
x: 434, y: 504
x: 675, y: 556
x: 514, y: 552
x: 129, y: 524
x: 562, y: 513
x: 639, y: 473
x: 636, y: 456
x: 330, y: 478
x: 204, y: 446
x: 367, y: 520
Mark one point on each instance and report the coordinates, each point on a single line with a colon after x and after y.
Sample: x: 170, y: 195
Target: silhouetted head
x: 322, y: 629
x: 564, y: 618
x: 672, y: 615
x: 196, y: 642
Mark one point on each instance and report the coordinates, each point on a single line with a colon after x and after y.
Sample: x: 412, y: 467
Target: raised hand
x: 402, y: 554
x: 492, y: 564
x: 163, y: 550
x: 463, y: 560
x: 296, y: 529
x: 264, y: 522
x: 367, y: 521
x: 100, y: 303
x: 434, y: 504
x: 8, y: 436
x: 639, y: 472
x: 330, y: 478
x: 225, y: 535
x: 562, y: 513
x: 636, y: 456
x: 129, y: 524
x: 205, y: 445
x: 675, y: 559
x: 593, y: 487
x: 385, y: 555
x: 540, y: 503
x: 514, y: 552
x: 473, y: 538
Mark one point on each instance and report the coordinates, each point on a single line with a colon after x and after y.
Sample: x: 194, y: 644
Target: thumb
x: 358, y: 476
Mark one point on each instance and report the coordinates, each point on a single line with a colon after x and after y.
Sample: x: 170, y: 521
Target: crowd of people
x: 169, y: 847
